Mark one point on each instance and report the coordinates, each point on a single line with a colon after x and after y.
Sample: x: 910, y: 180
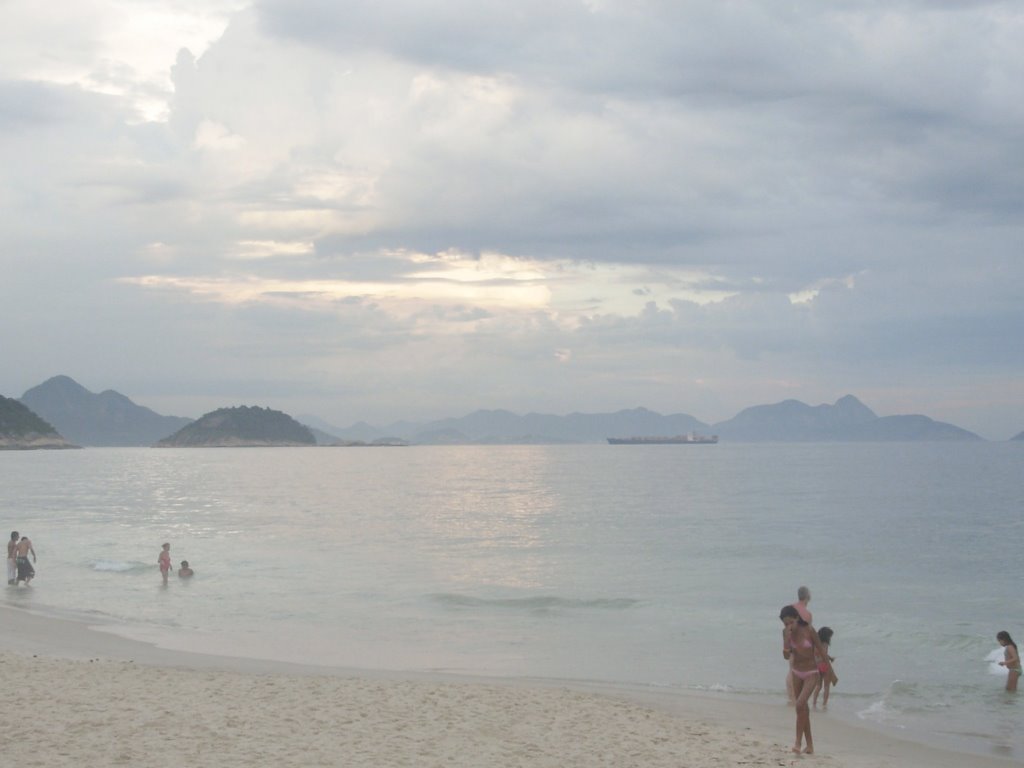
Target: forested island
x: 241, y: 426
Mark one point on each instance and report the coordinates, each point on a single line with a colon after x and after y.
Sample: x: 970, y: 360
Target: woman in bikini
x: 826, y: 674
x: 800, y: 643
x: 164, y: 561
x: 1011, y: 659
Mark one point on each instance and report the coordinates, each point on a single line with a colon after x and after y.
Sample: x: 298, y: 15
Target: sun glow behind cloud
x: 119, y: 48
x: 491, y: 284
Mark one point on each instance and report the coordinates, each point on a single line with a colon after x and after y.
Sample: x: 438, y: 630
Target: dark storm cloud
x: 801, y: 115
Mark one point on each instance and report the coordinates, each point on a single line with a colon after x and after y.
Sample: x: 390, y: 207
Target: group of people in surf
x: 164, y: 561
x: 19, y: 569
x: 810, y: 665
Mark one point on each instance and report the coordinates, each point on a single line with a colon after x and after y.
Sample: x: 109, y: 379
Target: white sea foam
x: 993, y: 659
x: 877, y: 711
x: 115, y: 566
x: 719, y: 688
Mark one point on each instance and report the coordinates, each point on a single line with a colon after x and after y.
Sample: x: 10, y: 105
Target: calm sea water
x: 653, y: 565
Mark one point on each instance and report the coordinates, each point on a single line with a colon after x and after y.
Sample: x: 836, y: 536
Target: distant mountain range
x: 506, y: 427
x: 848, y: 419
x: 111, y: 419
x: 106, y: 419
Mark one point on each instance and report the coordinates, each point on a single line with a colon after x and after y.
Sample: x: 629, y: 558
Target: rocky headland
x: 23, y: 430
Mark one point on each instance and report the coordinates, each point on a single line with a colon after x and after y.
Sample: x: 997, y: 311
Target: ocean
x: 653, y: 566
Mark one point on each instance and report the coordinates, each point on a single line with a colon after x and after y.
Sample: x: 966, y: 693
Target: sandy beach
x: 95, y: 699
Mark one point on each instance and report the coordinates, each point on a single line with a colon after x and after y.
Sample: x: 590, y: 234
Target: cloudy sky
x: 417, y: 208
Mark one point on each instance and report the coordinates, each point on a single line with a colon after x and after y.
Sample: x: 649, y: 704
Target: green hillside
x: 20, y: 428
x: 241, y: 426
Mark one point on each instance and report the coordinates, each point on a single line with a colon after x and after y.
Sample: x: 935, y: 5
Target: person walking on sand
x: 12, y: 558
x: 800, y: 643
x: 803, y: 597
x: 164, y: 561
x: 1011, y: 659
x: 25, y: 570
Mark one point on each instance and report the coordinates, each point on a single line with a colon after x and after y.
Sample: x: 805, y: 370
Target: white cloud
x: 212, y: 136
x: 120, y: 47
x: 271, y: 249
x: 573, y: 203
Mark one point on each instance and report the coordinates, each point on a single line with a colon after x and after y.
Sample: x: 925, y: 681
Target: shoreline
x: 102, y: 699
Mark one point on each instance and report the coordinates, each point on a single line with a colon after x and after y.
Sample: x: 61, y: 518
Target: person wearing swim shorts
x: 800, y: 643
x: 25, y: 570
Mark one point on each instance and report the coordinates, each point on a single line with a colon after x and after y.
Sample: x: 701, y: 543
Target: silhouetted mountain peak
x: 847, y: 419
x: 62, y: 388
x: 853, y: 408
x: 108, y: 418
x: 116, y: 397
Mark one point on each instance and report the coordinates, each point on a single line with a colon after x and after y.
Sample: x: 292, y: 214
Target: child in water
x: 164, y: 561
x: 827, y: 676
x: 1011, y: 659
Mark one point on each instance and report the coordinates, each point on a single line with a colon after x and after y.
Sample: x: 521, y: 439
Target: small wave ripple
x: 540, y: 603
x: 120, y: 566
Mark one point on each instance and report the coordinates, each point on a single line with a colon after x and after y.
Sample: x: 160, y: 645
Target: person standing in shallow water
x: 1011, y: 660
x: 826, y: 672
x: 12, y: 558
x: 164, y: 561
x: 800, y: 644
x: 803, y: 597
x: 25, y: 570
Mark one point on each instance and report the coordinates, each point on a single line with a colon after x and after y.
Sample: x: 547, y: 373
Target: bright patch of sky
x: 114, y: 47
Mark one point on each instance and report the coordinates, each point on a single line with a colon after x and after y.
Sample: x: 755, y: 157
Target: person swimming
x: 185, y: 572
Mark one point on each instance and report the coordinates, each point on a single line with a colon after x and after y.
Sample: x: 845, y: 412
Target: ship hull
x: 677, y: 440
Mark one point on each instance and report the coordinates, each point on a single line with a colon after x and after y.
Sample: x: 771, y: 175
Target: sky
x: 411, y: 209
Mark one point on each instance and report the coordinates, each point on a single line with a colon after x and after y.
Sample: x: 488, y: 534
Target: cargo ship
x: 691, y: 439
